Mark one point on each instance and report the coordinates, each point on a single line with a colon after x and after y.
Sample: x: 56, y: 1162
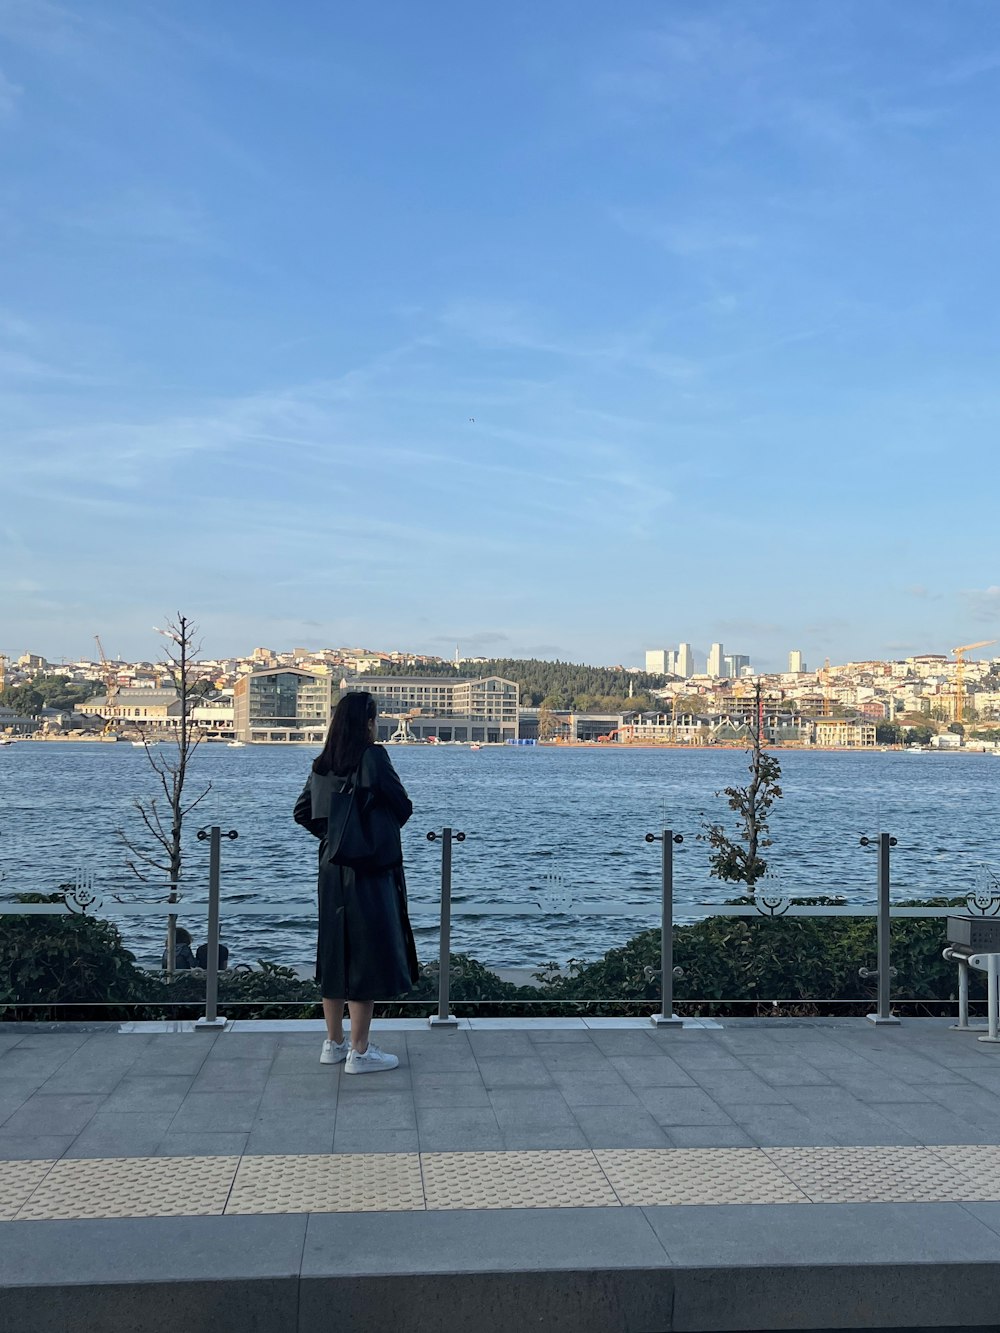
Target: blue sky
x: 565, y: 329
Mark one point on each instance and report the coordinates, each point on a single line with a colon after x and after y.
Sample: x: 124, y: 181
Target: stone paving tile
x: 977, y: 1106
x: 319, y: 1089
x: 514, y: 1072
x: 536, y: 1137
x: 385, y: 1111
x: 546, y: 1036
x: 31, y: 1061
x: 606, y: 1127
x: 244, y: 1075
x: 515, y: 1180
x: 24, y: 1147
x: 352, y: 1183
x: 936, y: 1124
x: 131, y: 1187
x: 654, y: 1071
x: 18, y: 1180
x: 14, y: 1092
x: 780, y: 1126
x: 458, y: 1088
x: 449, y: 1052
x: 874, y: 1175
x: 501, y: 1044
x: 744, y: 1088
x: 682, y: 1106
x: 121, y: 1134
x: 54, y: 1113
x: 783, y: 1072
x: 376, y: 1141
x: 149, y: 1093
x: 283, y: 1132
x: 207, y: 1112
x: 458, y: 1128
x: 202, y: 1145
x: 247, y: 1046
x: 580, y: 1089
x: 709, y: 1136
x: 694, y: 1175
x: 570, y: 1055
x: 181, y: 1054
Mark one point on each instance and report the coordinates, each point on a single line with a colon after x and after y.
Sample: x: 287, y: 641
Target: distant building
x: 657, y: 660
x: 684, y: 661
x: 795, y: 662
x: 736, y: 664
x: 282, y: 705
x: 444, y: 708
x: 837, y: 732
x: 716, y: 662
x: 137, y: 706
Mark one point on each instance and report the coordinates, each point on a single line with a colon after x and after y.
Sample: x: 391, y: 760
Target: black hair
x: 181, y: 936
x: 347, y: 738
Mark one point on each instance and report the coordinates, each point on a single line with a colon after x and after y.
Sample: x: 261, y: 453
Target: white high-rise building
x: 684, y: 661
x: 657, y: 661
x: 795, y: 662
x: 736, y: 664
x: 716, y: 661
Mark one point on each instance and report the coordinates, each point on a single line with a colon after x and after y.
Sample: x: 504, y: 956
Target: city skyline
x: 544, y: 333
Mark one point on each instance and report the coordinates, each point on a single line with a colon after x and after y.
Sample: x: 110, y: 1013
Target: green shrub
x: 65, y: 960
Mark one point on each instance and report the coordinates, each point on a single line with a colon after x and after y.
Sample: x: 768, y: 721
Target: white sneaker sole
x: 370, y: 1069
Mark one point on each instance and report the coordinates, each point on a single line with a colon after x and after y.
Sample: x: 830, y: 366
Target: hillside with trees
x: 557, y: 685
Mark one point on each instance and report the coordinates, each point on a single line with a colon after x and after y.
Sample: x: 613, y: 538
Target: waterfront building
x: 136, y: 706
x: 716, y: 662
x: 844, y: 732
x: 795, y: 663
x: 281, y: 705
x: 684, y: 661
x: 444, y: 708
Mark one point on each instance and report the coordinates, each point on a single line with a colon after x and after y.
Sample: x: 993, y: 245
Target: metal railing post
x: 443, y: 1018
x: 666, y: 1017
x: 884, y: 1014
x: 211, y: 1020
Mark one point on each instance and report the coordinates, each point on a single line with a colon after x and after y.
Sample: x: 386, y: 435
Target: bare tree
x: 730, y: 860
x: 162, y: 814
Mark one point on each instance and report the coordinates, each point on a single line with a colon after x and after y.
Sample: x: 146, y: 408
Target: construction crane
x: 3, y: 671
x: 825, y: 674
x: 960, y: 673
x: 111, y: 686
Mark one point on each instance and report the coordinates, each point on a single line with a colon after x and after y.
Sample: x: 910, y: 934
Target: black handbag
x: 354, y: 832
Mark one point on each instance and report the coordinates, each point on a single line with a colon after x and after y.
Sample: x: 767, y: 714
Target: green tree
x: 162, y: 815
x: 739, y: 859
x: 888, y: 733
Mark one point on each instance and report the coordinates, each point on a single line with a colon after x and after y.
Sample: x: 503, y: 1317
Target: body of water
x: 540, y: 823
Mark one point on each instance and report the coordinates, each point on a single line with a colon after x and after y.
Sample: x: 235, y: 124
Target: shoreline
x: 612, y: 748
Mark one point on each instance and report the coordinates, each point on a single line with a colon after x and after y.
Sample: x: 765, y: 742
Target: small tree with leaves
x: 162, y: 815
x: 739, y: 860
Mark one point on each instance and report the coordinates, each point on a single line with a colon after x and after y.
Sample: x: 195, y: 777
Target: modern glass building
x: 282, y: 705
x: 443, y: 708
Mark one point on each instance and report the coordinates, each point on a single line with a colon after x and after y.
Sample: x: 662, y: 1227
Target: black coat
x: 365, y: 949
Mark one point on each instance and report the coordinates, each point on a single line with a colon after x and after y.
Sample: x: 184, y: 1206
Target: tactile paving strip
x: 527, y: 1179
x: 979, y: 1165
x: 342, y: 1183
x: 875, y: 1175
x: 132, y: 1187
x: 17, y: 1181
x: 645, y: 1177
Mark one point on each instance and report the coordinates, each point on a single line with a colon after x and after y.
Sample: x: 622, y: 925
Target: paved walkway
x: 859, y: 1166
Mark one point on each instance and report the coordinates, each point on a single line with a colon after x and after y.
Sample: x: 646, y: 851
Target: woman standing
x: 365, y: 950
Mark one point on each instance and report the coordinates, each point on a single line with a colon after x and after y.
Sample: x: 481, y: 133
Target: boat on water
x: 235, y: 745
x: 7, y: 740
x: 475, y: 746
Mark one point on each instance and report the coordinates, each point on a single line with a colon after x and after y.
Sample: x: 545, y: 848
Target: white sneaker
x: 371, y: 1061
x: 334, y: 1052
